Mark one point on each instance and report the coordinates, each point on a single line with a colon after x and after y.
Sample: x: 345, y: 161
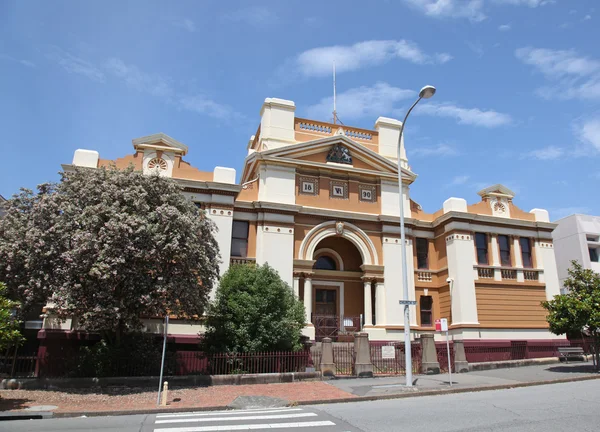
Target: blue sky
x: 518, y: 82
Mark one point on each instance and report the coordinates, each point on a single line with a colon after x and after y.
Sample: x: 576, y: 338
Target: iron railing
x: 396, y: 365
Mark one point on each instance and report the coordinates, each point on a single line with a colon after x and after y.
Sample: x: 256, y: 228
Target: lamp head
x: 449, y: 280
x: 426, y: 92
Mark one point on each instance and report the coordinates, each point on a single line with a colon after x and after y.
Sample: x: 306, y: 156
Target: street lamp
x: 425, y: 93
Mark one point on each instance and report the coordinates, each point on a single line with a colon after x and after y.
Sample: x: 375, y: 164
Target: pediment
x: 496, y: 190
x: 337, y: 151
x: 160, y: 141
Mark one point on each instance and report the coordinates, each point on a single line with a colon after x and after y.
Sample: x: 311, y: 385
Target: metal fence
x: 477, y: 352
x: 258, y: 362
x: 442, y: 356
x: 396, y: 365
x: 343, y: 358
x: 17, y: 365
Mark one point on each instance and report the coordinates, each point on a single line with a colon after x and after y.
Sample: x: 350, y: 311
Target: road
x: 555, y: 407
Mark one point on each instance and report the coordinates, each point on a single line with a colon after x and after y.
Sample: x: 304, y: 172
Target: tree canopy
x: 578, y: 310
x: 254, y: 310
x: 9, y: 324
x: 108, y: 247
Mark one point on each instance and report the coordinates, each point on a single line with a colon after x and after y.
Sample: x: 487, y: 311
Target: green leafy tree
x: 9, y: 324
x: 577, y: 311
x: 254, y: 310
x: 108, y: 247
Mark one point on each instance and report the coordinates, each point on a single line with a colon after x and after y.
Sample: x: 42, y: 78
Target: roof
x: 158, y: 139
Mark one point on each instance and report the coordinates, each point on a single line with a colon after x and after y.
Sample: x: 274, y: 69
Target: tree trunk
x: 597, y: 351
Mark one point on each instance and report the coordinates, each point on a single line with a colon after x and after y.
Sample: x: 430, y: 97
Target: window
x: 591, y: 238
x: 593, y: 254
x: 526, y: 252
x: 422, y: 253
x: 239, y: 239
x: 504, y: 245
x: 426, y: 303
x: 325, y: 262
x: 481, y: 244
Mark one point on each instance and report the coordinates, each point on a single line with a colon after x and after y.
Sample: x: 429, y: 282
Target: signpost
x: 442, y: 326
x: 408, y: 302
x: 162, y: 364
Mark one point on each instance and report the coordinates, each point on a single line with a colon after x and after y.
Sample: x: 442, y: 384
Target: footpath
x: 127, y: 400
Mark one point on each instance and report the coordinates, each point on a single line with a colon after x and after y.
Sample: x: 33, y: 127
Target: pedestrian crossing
x: 250, y: 419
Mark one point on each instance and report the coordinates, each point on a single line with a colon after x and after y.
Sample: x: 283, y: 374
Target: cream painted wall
x: 392, y: 274
x: 460, y: 250
x: 223, y: 219
x: 275, y: 245
x: 277, y: 184
x: 390, y: 204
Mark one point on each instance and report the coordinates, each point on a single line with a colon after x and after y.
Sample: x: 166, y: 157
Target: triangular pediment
x: 496, y: 190
x: 160, y: 141
x: 336, y: 152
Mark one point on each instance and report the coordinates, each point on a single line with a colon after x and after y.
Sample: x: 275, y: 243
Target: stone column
x: 380, y: 303
x: 308, y: 299
x: 296, y: 286
x: 495, y: 257
x: 368, y: 305
x: 327, y: 365
x: 429, y: 361
x: 518, y: 259
x: 460, y: 359
x: 362, y: 353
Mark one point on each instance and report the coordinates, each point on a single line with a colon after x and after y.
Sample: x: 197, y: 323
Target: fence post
x: 362, y: 353
x: 429, y: 361
x: 327, y: 365
x: 460, y: 359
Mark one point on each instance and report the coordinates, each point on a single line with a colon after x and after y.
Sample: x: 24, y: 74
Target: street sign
x: 438, y: 325
x: 408, y: 302
x: 444, y: 324
x: 388, y: 352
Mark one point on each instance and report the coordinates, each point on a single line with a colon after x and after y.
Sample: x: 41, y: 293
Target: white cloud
x: 459, y: 180
x: 319, y: 61
x: 441, y: 149
x: 184, y: 23
x: 588, y: 132
x: 505, y: 27
x: 361, y: 102
x: 469, y: 9
x: 561, y: 212
x: 75, y: 65
x: 587, y: 18
x: 530, y: 3
x: 546, y: 153
x: 138, y: 80
x: 576, y: 76
x: 16, y: 60
x: 256, y: 16
x: 470, y: 116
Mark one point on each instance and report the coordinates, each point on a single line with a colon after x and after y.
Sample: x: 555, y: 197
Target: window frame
x: 426, y: 311
x: 244, y: 254
x: 426, y: 244
x: 326, y: 258
x: 527, y: 241
x: 486, y: 249
x: 508, y: 263
x: 594, y: 250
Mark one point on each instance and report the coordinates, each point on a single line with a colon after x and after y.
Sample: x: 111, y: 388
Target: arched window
x: 325, y: 262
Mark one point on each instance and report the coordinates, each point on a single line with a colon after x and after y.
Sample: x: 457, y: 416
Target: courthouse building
x: 319, y: 202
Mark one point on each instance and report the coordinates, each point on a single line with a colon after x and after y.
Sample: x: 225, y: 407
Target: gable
x: 321, y: 157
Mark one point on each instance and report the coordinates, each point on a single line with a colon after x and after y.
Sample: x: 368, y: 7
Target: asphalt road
x: 555, y: 407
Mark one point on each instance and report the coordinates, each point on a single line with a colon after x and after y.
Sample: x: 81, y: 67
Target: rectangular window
x: 526, y: 252
x: 239, y: 239
x: 481, y: 243
x: 591, y: 238
x: 504, y: 245
x: 426, y: 303
x: 593, y: 254
x: 422, y: 253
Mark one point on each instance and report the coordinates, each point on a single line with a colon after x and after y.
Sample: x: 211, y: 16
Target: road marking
x: 248, y: 427
x: 230, y: 412
x: 244, y: 417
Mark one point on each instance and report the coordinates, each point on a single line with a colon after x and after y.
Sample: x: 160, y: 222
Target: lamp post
x: 425, y: 93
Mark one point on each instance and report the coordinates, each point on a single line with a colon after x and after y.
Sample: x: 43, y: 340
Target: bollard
x: 429, y: 361
x: 327, y: 366
x: 460, y: 359
x: 362, y: 354
x: 163, y: 402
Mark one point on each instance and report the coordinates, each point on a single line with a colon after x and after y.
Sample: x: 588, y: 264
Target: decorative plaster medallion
x: 339, y: 154
x: 500, y: 207
x: 158, y: 163
x: 339, y: 228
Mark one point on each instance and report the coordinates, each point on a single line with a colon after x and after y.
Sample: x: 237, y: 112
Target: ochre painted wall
x: 511, y: 306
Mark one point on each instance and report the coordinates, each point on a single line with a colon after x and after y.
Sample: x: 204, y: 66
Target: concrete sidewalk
x: 479, y: 380
x: 119, y: 401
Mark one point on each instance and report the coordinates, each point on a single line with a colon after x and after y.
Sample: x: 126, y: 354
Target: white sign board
x: 388, y: 352
x: 444, y: 323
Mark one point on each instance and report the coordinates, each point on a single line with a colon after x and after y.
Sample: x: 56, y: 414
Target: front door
x: 325, y: 316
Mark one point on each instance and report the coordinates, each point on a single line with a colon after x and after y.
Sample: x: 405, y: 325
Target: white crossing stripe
x: 248, y: 427
x: 244, y: 417
x: 229, y: 412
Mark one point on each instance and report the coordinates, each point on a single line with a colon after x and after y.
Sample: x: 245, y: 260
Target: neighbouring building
x: 319, y: 202
x: 577, y: 237
x: 2, y: 211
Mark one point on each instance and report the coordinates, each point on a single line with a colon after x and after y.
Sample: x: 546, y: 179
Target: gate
x: 325, y: 326
x: 395, y: 365
x: 343, y: 357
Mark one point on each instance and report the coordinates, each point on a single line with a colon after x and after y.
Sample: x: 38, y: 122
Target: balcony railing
x: 485, y: 273
x: 424, y: 276
x: 240, y: 260
x: 531, y: 275
x: 509, y: 274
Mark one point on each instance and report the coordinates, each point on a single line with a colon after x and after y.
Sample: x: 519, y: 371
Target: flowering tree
x: 578, y: 311
x: 108, y: 247
x: 9, y: 325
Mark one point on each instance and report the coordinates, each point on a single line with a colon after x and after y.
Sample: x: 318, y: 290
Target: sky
x: 517, y: 102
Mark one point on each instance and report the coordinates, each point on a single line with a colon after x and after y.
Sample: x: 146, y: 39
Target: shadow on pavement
x: 587, y: 368
x: 7, y: 404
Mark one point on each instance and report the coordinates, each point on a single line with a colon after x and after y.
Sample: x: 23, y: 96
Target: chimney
x: 389, y: 132
x: 277, y: 123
